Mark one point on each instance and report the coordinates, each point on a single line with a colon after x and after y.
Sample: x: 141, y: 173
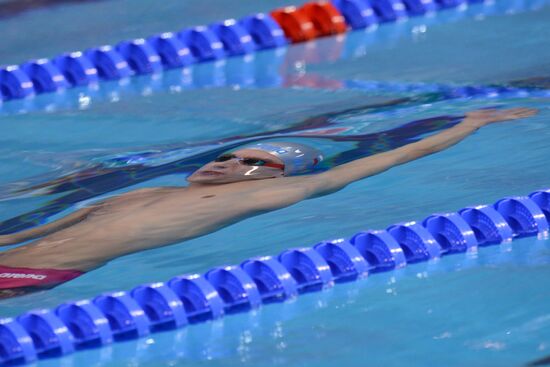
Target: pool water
x: 484, y: 309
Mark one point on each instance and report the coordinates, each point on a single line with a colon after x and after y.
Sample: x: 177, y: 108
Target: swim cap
x: 297, y: 158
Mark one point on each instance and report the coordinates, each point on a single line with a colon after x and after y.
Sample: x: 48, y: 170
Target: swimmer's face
x: 240, y: 165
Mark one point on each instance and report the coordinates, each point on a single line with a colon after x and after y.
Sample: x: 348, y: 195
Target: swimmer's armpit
x: 47, y: 229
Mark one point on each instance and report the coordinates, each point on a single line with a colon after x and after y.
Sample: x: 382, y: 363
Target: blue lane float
x: 237, y: 289
x: 77, y: 69
x: 272, y: 279
x: 357, y: 13
x: 308, y: 268
x: 417, y: 242
x: 50, y: 336
x: 140, y: 56
x: 261, y: 280
x: 88, y: 325
x: 451, y: 231
x: 199, y: 297
x: 523, y: 215
x: 203, y: 43
x: 389, y: 10
x: 344, y: 260
x: 126, y: 318
x: 172, y: 51
x: 380, y: 249
x: 162, y: 306
x: 109, y: 63
x: 15, y: 83
x: 265, y: 32
x: 17, y: 345
x: 235, y: 38
x: 488, y: 225
x: 45, y: 76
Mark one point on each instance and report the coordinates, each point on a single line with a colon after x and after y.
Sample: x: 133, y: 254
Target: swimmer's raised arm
x: 345, y: 174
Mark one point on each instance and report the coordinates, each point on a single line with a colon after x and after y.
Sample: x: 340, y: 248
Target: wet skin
x: 219, y: 194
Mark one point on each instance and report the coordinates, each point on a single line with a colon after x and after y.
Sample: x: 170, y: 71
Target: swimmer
x: 240, y: 184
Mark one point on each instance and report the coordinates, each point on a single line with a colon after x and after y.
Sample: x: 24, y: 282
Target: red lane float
x: 296, y: 24
x: 312, y: 20
x: 326, y: 19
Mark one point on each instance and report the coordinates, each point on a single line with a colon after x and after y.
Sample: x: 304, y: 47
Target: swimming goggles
x: 249, y: 161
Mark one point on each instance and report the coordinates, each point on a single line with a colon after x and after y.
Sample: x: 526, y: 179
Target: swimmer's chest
x: 212, y: 203
x: 196, y: 207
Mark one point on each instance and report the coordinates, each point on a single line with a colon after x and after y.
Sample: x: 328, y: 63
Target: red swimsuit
x: 18, y: 281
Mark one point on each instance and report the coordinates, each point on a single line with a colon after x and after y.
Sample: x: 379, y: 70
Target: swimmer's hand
x: 480, y: 118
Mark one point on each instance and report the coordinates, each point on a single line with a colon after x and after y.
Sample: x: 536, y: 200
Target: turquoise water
x: 489, y: 309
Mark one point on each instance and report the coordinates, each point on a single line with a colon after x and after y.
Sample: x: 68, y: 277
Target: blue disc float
x: 17, y: 345
x: 126, y: 318
x: 203, y: 43
x: 416, y: 241
x: 199, y: 297
x: 265, y: 32
x: 309, y: 269
x: 88, y: 325
x: 488, y: 225
x: 140, y: 56
x: 109, y: 63
x: 45, y: 76
x: 273, y: 280
x: 15, y: 83
x: 77, y: 69
x: 236, y: 288
x: 357, y: 13
x: 234, y: 37
x: 262, y: 280
x: 451, y: 231
x: 389, y: 10
x: 51, y: 337
x: 172, y: 51
x: 380, y: 249
x: 523, y: 215
x: 162, y: 306
x: 344, y: 260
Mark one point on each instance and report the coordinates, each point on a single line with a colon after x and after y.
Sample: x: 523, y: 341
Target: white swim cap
x: 297, y: 158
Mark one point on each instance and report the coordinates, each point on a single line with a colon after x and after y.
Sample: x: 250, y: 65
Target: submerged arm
x: 345, y: 174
